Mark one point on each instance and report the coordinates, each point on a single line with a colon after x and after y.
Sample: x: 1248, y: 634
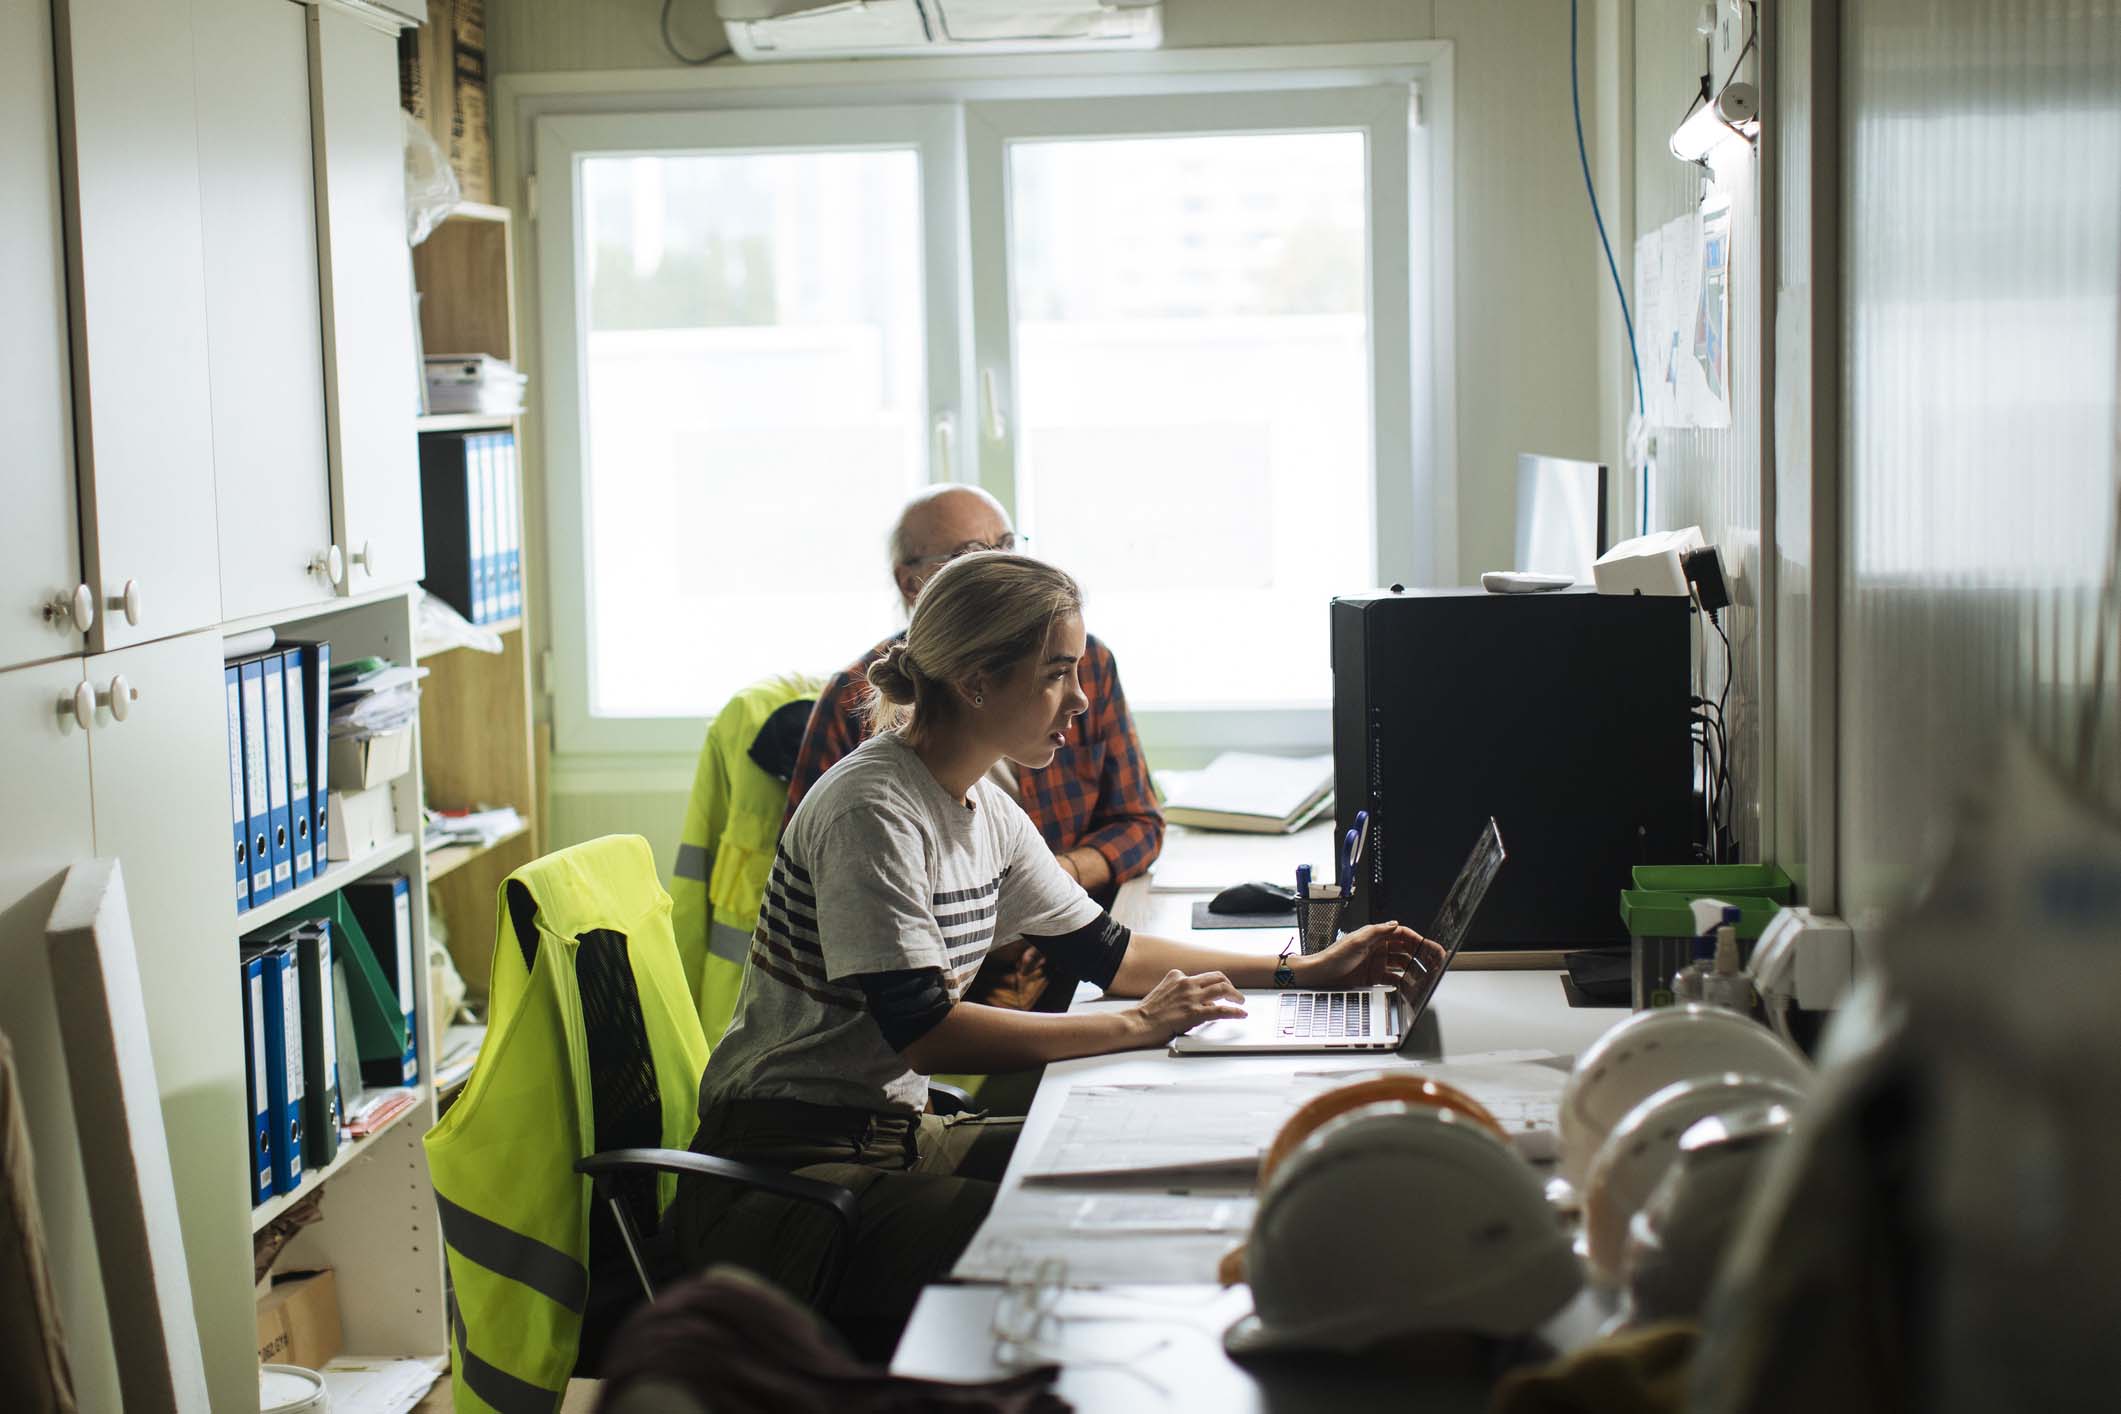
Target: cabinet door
x: 371, y: 378
x: 43, y: 831
x: 159, y: 781
x: 264, y: 324
x: 143, y: 436
x: 40, y: 541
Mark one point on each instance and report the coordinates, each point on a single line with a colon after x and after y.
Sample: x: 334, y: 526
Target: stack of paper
x: 473, y: 383
x: 373, y: 1384
x: 377, y: 1108
x: 1243, y: 791
x: 460, y: 1052
x: 373, y: 697
x: 475, y: 827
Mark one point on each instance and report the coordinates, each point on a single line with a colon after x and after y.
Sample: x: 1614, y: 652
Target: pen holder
x: 1318, y: 922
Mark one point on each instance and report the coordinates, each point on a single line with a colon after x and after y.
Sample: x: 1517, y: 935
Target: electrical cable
x: 680, y: 55
x: 1722, y: 709
x: 1642, y: 503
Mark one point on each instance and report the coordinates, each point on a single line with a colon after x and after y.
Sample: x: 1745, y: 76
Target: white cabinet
x: 143, y: 434
x: 371, y: 387
x: 40, y: 548
x: 44, y: 829
x: 159, y: 781
x: 265, y: 334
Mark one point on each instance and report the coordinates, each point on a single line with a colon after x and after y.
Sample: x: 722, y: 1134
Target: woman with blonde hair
x: 898, y: 871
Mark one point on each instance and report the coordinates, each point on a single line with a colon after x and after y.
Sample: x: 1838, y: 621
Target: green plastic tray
x: 1732, y: 881
x: 1649, y: 913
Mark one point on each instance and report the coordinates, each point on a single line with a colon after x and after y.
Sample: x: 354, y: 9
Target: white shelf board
x: 313, y: 1179
x: 341, y: 873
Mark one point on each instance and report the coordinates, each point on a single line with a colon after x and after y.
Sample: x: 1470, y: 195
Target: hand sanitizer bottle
x: 1727, y: 986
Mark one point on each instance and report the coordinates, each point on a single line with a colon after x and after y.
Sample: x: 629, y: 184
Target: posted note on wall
x: 1683, y: 316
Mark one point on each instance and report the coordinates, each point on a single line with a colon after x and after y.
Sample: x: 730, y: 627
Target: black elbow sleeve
x: 907, y: 1005
x: 1092, y: 952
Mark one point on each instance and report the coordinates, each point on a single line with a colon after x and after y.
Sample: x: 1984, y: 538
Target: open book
x: 1241, y: 791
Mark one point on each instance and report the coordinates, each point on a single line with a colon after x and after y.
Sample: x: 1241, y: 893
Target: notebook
x: 1268, y: 795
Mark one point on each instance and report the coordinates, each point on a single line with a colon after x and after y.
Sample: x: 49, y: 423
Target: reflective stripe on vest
x: 727, y: 943
x: 695, y: 862
x: 546, y: 1270
x: 496, y: 1386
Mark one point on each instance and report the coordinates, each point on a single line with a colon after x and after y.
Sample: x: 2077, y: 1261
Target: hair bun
x: 892, y: 675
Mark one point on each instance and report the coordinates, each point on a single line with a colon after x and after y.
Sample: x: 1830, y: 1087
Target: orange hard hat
x: 1415, y: 1089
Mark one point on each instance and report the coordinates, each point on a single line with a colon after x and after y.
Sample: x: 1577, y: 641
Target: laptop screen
x: 1448, y: 931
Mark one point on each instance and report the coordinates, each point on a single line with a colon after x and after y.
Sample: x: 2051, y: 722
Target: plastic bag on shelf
x: 431, y: 190
x: 441, y: 627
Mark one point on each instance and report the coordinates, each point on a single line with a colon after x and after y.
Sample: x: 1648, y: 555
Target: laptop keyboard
x: 1325, y: 1015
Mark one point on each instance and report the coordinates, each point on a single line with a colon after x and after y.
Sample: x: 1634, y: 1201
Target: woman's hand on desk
x: 1179, y: 1003
x: 1367, y: 957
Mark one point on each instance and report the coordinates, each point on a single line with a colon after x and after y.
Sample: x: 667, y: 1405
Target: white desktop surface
x: 1172, y: 1334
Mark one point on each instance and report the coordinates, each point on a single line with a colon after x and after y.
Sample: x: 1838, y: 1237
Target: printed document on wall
x: 1682, y: 318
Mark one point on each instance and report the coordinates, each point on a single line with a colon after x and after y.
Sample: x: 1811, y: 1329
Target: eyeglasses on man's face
x: 1007, y: 540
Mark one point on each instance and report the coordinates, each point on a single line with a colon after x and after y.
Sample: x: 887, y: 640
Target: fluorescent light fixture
x: 1731, y: 115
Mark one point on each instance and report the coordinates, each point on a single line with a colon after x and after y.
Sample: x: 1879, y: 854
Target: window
x: 1194, y: 396
x: 756, y: 410
x: 1172, y: 332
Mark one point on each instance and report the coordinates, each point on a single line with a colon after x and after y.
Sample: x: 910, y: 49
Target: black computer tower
x: 1562, y: 715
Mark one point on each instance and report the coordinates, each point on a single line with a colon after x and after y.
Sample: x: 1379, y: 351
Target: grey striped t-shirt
x: 879, y: 871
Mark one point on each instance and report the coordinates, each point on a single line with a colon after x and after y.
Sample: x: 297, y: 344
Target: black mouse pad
x: 1202, y: 918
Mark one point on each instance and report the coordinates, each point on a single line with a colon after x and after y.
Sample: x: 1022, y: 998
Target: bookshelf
x: 476, y: 724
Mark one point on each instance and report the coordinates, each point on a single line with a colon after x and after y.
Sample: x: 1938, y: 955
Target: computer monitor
x: 1561, y: 526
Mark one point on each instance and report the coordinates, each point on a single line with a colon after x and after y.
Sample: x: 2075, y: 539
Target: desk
x: 1170, y: 1336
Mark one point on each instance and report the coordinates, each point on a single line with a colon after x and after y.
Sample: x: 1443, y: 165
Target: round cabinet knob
x: 365, y: 557
x: 80, y: 705
x: 74, y: 613
x: 128, y: 599
x: 328, y: 564
x: 119, y: 697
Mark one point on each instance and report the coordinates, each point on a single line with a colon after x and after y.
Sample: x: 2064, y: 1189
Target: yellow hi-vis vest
x: 732, y: 825
x: 515, y: 1215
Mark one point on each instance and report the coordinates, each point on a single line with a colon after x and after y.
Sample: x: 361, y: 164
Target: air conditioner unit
x: 848, y: 29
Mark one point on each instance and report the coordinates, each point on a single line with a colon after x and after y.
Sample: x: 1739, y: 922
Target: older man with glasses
x: 1093, y: 803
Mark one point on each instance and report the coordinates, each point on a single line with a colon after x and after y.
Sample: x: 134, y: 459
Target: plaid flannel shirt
x: 1095, y: 793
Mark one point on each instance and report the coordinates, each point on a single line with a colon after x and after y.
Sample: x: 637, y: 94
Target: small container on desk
x: 1660, y: 922
x: 1318, y: 918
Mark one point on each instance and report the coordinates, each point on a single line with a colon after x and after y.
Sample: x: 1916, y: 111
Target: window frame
x: 951, y: 106
x: 1379, y: 112
x: 932, y: 131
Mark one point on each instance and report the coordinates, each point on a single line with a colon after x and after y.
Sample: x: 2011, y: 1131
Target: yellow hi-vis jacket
x: 732, y: 825
x: 515, y: 1215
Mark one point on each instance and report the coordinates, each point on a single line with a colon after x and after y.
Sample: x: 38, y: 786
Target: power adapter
x: 1704, y: 571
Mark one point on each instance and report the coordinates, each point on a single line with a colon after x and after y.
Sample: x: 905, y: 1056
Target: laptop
x: 1365, y: 1019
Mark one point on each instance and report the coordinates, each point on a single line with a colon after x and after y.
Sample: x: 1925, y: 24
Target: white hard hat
x: 1677, y: 1239
x: 1649, y: 1051
x: 1643, y: 1145
x: 1396, y: 1219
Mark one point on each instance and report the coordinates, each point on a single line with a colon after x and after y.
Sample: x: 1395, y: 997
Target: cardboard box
x: 298, y: 1320
x: 360, y: 763
x: 360, y: 820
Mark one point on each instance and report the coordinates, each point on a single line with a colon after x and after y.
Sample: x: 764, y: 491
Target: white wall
x: 1527, y: 281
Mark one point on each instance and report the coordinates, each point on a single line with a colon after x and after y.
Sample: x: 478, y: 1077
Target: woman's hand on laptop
x: 1368, y: 957
x: 1179, y: 1003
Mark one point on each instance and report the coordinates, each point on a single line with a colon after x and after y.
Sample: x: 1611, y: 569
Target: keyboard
x: 1325, y: 1015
